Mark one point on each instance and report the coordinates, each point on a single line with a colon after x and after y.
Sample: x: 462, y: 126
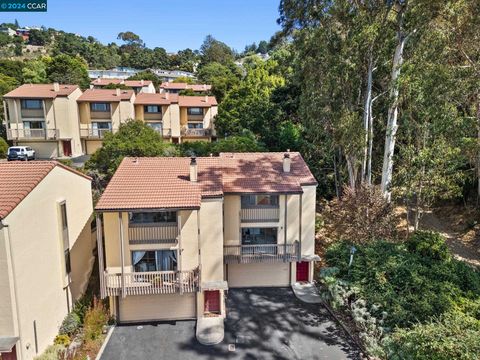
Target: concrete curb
x: 307, y: 292
x: 210, y: 331
x: 105, y: 342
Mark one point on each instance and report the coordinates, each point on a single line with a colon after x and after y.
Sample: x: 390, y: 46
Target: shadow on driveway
x: 262, y: 323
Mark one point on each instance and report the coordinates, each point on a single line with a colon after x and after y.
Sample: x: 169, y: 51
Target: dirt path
x: 462, y: 238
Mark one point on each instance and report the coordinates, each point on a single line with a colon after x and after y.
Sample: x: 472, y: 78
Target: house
x: 8, y: 31
x: 178, y: 118
x: 137, y: 86
x: 197, y: 116
x: 179, y: 232
x: 175, y: 88
x: 45, y: 117
x: 115, y: 73
x: 171, y: 75
x: 102, y: 111
x: 46, y: 252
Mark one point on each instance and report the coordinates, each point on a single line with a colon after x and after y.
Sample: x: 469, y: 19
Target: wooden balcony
x: 268, y: 253
x: 151, y: 283
x: 260, y: 214
x: 153, y: 234
x: 35, y: 134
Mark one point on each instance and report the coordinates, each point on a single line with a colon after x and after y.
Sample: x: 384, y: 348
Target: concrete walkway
x: 306, y: 292
x: 210, y: 330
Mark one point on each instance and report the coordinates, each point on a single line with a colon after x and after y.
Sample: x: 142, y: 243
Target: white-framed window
x: 152, y: 109
x: 34, y: 125
x: 194, y: 111
x: 100, y: 107
x: 154, y: 260
x: 157, y: 217
x: 195, y: 125
x: 249, y: 201
x: 259, y: 236
x: 157, y: 126
x: 32, y: 104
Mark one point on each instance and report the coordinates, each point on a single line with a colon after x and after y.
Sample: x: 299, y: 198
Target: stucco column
x: 101, y: 265
x: 122, y: 253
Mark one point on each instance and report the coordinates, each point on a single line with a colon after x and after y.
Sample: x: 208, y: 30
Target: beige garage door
x: 157, y: 307
x: 246, y: 275
x: 43, y: 150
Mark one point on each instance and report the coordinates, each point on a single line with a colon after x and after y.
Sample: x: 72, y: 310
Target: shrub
x: 70, y: 324
x: 453, y: 336
x: 3, y: 148
x: 429, y: 244
x: 95, y: 319
x: 53, y: 352
x: 62, y: 339
x: 362, y: 215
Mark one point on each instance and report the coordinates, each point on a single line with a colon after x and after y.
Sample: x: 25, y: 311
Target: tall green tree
x: 66, y: 69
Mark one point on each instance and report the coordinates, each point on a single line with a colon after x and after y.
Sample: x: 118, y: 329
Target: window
x: 30, y: 104
x: 194, y: 111
x: 104, y: 125
x: 157, y: 126
x: 160, y: 260
x: 103, y: 107
x: 66, y: 246
x: 152, y: 109
x: 33, y: 125
x: 195, y: 125
x: 256, y: 236
x: 259, y: 201
x: 153, y: 217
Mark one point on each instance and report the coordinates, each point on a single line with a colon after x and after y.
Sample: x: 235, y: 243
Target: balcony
x: 34, y: 134
x: 94, y: 133
x: 163, y: 132
x: 260, y: 214
x: 265, y: 253
x: 196, y: 132
x: 151, y: 283
x: 153, y: 234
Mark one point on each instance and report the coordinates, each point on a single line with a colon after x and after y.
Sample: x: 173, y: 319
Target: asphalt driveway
x: 262, y: 323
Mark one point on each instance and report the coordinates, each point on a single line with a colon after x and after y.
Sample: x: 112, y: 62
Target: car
x: 24, y: 153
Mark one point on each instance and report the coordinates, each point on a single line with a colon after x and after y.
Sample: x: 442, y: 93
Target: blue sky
x: 172, y: 24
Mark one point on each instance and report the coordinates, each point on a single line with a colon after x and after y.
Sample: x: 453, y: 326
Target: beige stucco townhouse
x: 178, y: 118
x: 44, y: 117
x: 178, y: 232
x: 46, y: 252
x: 102, y: 111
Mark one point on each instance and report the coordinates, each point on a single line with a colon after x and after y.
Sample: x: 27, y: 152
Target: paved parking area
x: 263, y: 323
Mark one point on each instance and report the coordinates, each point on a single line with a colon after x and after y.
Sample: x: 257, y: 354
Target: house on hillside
x: 138, y: 86
x: 46, y: 252
x: 179, y: 232
x: 175, y: 88
x: 44, y: 117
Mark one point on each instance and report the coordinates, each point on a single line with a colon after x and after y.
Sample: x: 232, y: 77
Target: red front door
x: 12, y: 355
x: 67, y: 147
x: 302, y: 271
x: 212, y: 301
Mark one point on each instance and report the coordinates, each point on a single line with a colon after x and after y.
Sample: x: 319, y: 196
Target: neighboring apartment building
x: 175, y: 88
x: 178, y: 118
x: 45, y: 117
x: 101, y: 111
x: 179, y: 232
x: 138, y: 86
x: 46, y: 252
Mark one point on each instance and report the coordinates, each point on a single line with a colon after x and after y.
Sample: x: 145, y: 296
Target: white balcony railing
x: 265, y: 253
x: 260, y: 214
x: 45, y: 134
x: 196, y: 132
x: 94, y: 133
x: 150, y: 283
x: 148, y: 234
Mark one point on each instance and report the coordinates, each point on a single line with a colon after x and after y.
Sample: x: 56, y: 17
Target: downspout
x: 15, y: 291
x: 122, y: 253
x: 300, y: 228
x: 285, y: 231
x: 101, y: 265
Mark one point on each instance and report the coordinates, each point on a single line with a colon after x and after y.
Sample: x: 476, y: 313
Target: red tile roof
x: 197, y: 101
x: 137, y: 83
x: 156, y: 99
x: 105, y: 81
x: 163, y: 182
x: 40, y: 91
x: 184, y: 86
x: 18, y: 179
x: 107, y: 95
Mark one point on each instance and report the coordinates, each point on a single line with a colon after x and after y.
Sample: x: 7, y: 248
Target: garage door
x: 158, y: 307
x: 43, y: 150
x: 245, y: 275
